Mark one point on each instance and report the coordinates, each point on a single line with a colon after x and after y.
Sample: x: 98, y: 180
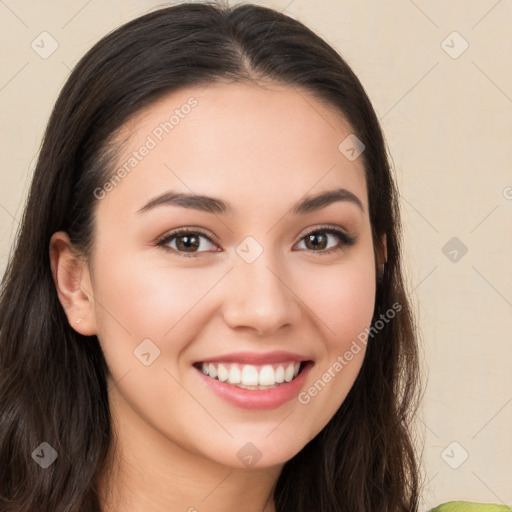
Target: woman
x: 205, y: 307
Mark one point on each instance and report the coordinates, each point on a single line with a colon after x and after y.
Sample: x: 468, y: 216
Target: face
x: 222, y: 319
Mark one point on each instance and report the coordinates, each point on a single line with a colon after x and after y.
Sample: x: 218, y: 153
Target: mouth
x: 253, y: 376
x: 255, y: 380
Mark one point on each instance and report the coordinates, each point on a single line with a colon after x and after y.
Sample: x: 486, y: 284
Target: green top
x: 468, y: 506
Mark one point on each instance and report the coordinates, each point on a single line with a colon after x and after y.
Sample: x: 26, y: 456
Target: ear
x: 73, y: 284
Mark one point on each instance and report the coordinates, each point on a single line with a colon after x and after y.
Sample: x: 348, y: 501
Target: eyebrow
x: 218, y: 206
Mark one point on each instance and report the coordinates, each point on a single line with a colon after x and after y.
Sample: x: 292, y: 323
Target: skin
x: 261, y: 148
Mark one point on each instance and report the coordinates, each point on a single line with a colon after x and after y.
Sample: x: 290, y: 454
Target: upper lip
x: 256, y: 358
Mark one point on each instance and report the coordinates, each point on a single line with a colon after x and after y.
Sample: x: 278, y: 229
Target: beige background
x: 448, y: 123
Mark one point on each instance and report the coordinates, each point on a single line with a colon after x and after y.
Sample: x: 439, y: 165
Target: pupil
x: 311, y: 239
x: 186, y: 241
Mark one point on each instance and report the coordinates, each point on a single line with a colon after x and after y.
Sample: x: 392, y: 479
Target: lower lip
x: 257, y: 399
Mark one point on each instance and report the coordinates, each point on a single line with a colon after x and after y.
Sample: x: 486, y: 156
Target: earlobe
x: 73, y: 284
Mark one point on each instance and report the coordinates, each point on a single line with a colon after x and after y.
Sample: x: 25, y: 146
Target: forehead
x: 242, y: 141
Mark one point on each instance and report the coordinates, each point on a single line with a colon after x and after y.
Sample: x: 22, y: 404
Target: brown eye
x: 318, y: 240
x: 186, y: 242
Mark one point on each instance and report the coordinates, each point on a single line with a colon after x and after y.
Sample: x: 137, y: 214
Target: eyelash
x: 346, y: 240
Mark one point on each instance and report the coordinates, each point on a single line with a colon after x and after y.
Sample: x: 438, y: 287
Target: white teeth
x: 280, y: 374
x: 249, y: 376
x: 267, y: 376
x: 235, y: 377
x: 288, y: 373
x: 255, y: 387
x: 222, y: 373
x: 212, y: 371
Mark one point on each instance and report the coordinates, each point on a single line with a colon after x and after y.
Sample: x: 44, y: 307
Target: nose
x: 260, y: 298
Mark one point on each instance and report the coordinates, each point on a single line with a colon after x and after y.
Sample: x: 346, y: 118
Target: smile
x: 255, y: 380
x: 249, y: 376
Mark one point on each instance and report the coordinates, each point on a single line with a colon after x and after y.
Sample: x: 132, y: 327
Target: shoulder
x: 469, y: 506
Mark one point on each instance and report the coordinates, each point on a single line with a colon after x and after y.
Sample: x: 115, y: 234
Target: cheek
x: 146, y: 300
x: 343, y: 302
x: 355, y: 308
x: 136, y: 302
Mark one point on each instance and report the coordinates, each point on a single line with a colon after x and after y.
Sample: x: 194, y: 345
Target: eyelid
x: 163, y: 240
x: 326, y: 227
x: 346, y: 239
x: 188, y: 229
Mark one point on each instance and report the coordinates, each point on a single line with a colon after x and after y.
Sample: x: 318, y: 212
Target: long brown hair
x: 53, y: 380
